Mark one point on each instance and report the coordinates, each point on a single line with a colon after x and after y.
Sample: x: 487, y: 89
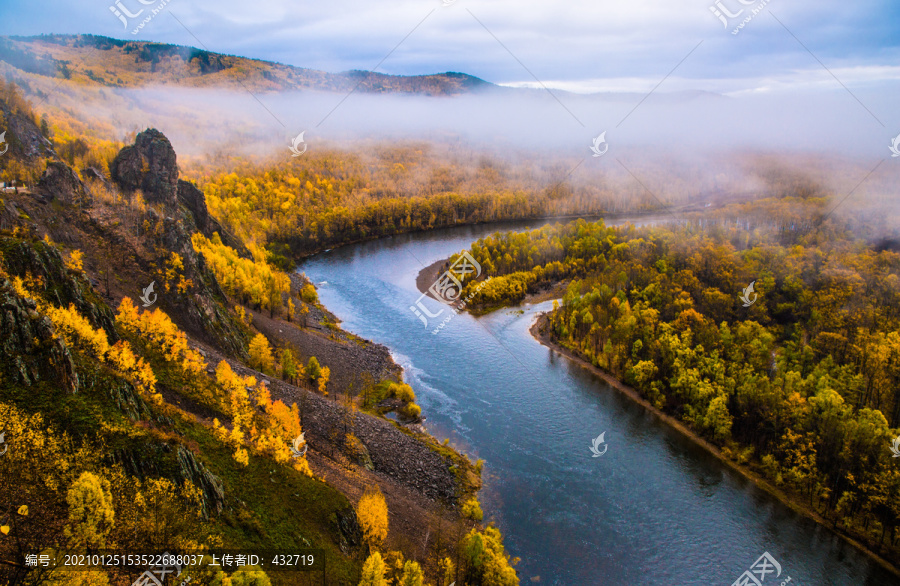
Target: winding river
x: 654, y: 509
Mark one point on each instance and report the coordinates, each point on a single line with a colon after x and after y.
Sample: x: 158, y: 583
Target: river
x: 654, y: 509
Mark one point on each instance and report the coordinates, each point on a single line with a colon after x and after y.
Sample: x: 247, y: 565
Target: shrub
x: 308, y: 294
x: 403, y: 392
x: 472, y: 510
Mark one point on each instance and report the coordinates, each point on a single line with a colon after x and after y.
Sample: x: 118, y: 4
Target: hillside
x: 132, y: 64
x: 139, y: 419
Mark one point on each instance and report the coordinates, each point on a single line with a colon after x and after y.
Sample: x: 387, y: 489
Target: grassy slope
x: 287, y: 513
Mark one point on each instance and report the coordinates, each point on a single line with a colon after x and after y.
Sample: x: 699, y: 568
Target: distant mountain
x: 129, y: 64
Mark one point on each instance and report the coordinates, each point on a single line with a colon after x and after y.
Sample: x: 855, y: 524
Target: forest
x: 798, y: 377
x: 171, y: 380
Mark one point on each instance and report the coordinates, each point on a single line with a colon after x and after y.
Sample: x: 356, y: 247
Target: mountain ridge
x: 134, y: 64
x: 128, y: 64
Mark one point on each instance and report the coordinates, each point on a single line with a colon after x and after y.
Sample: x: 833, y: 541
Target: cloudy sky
x: 578, y: 45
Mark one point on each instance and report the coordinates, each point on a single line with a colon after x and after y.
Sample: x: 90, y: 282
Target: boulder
x: 59, y: 182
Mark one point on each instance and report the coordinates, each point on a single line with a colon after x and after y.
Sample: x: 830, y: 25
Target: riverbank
x: 429, y: 275
x: 541, y: 332
x: 423, y: 481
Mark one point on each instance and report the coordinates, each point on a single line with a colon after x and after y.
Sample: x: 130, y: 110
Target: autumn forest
x: 173, y: 380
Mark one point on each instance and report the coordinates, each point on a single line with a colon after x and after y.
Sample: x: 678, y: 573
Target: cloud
x: 506, y: 41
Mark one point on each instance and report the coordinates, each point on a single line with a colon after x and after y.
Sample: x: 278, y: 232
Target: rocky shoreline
x: 423, y: 481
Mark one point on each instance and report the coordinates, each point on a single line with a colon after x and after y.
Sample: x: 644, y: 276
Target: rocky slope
x: 124, y: 244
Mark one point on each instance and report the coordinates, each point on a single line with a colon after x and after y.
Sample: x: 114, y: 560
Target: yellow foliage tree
x: 250, y: 576
x: 324, y: 377
x: 75, y: 262
x: 373, y: 571
x: 471, y: 509
x: 372, y: 513
x: 237, y: 404
x: 91, y: 514
x: 161, y: 335
x: 488, y: 562
x: 447, y: 568
x: 412, y: 574
x: 77, y: 331
x: 254, y: 280
x: 261, y: 354
x: 174, y: 273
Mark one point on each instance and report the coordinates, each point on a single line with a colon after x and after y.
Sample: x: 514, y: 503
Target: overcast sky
x: 579, y: 45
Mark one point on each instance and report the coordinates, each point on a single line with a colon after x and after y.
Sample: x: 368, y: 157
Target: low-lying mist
x: 668, y: 147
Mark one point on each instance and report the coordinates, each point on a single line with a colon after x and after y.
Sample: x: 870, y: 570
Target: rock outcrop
x: 32, y: 352
x: 209, y: 484
x: 61, y: 183
x: 56, y: 282
x: 195, y: 201
x: 149, y: 165
x: 349, y: 532
x: 24, y: 137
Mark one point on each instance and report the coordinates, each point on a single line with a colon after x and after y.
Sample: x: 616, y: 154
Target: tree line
x: 798, y: 378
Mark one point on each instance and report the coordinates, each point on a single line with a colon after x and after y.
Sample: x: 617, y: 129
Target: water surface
x: 654, y: 509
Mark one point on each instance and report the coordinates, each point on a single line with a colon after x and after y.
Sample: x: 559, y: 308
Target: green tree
x: 288, y: 365
x: 313, y: 369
